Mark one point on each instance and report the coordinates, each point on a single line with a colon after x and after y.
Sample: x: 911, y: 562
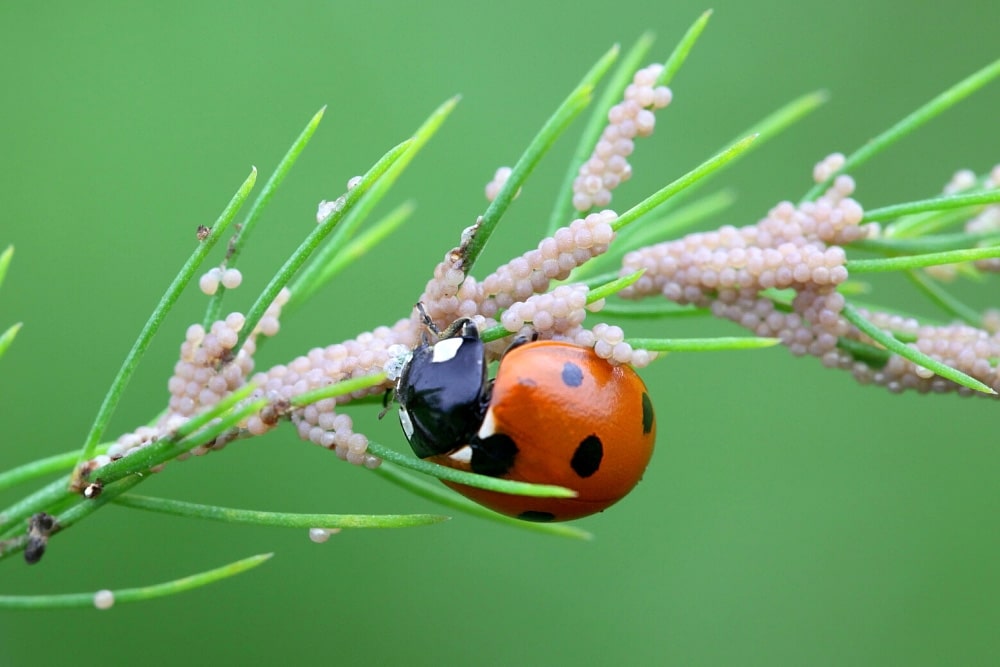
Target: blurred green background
x: 789, y: 515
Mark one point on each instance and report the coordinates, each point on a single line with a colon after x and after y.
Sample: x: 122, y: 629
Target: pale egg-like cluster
x: 969, y: 349
x: 320, y: 422
x: 608, y: 166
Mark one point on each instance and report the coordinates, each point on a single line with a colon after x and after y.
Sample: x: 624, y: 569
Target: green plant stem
x: 444, y: 496
x: 935, y: 107
x: 40, y: 468
x: 12, y: 518
x: 152, y: 325
x: 920, y: 261
x: 687, y: 180
x: 933, y: 204
x: 339, y: 389
x: 543, y: 141
x: 276, y: 519
x: 892, y: 344
x: 613, y: 287
x: 702, y: 344
x: 77, y: 600
x: 355, y: 249
x: 239, y: 241
x: 945, y: 301
x: 680, y: 53
x: 925, y: 244
x: 5, y: 258
x: 313, y: 241
x: 468, y: 478
x: 651, y: 310
x: 316, y: 273
x: 200, y: 429
x: 7, y: 337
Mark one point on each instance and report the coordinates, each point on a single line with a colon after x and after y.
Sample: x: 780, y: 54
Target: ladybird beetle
x: 556, y: 413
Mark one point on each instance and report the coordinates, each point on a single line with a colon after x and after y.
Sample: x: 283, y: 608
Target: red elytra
x: 576, y: 421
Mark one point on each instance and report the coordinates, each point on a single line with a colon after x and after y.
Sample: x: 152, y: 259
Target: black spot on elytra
x: 587, y: 457
x: 540, y: 517
x: 647, y: 413
x: 572, y: 375
x: 494, y: 455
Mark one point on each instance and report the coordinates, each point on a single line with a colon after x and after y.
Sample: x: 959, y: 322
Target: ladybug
x: 555, y: 413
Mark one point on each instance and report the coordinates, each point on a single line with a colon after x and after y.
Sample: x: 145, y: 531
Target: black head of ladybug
x: 444, y: 391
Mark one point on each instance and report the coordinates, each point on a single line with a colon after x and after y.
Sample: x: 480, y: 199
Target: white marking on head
x: 446, y: 349
x: 404, y: 421
x: 488, y: 427
x: 463, y: 455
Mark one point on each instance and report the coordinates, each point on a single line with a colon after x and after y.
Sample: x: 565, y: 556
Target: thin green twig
x: 7, y: 337
x: 152, y: 325
x: 944, y: 300
x: 239, y: 240
x: 702, y: 344
x: 543, y: 141
x: 78, y: 600
x: 5, y: 258
x: 920, y: 261
x: 468, y: 478
x: 444, y: 496
x: 713, y: 164
x: 315, y: 273
x: 892, y: 344
x: 313, y: 241
x: 911, y: 122
x: 934, y: 204
x: 276, y: 519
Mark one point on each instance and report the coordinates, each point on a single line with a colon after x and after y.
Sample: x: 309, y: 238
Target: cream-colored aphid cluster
x: 228, y: 278
x: 327, y: 208
x: 518, y: 291
x: 320, y: 422
x: 972, y: 351
x: 499, y: 179
x: 796, y: 247
x: 608, y: 165
x: 206, y: 371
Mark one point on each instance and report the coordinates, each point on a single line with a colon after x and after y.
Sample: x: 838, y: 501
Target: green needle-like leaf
x: 152, y: 325
x: 5, y: 258
x: 7, y: 337
x: 543, y: 141
x: 311, y: 277
x: 940, y: 296
x: 314, y: 239
x: 652, y: 310
x: 920, y: 261
x: 687, y: 180
x: 276, y: 519
x: 927, y: 205
x: 78, y: 600
x: 40, y: 468
x: 683, y: 48
x: 257, y: 208
x: 907, y: 352
x: 444, y: 496
x: 613, y: 287
x: 702, y: 344
x: 358, y: 247
x: 935, y: 107
x: 341, y: 388
x: 468, y: 478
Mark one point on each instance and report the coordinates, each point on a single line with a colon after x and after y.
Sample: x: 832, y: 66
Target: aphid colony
x: 565, y: 406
